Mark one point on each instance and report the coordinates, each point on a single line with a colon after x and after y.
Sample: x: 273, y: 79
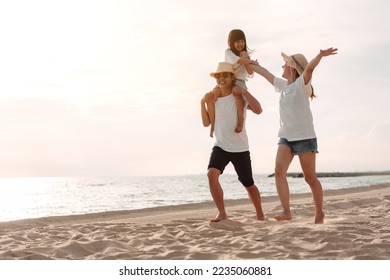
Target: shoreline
x: 358, y: 215
x: 337, y: 174
x: 142, y: 212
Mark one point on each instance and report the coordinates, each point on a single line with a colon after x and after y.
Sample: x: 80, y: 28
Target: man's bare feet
x: 283, y: 217
x: 319, y: 219
x: 219, y: 218
x: 260, y: 217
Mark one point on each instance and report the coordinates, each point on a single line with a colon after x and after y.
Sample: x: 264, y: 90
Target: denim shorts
x: 301, y: 146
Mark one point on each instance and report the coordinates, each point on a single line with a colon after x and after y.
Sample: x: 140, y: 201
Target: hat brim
x: 291, y: 63
x: 286, y: 58
x: 232, y: 72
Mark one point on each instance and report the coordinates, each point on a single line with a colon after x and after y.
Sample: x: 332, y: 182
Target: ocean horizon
x: 36, y: 197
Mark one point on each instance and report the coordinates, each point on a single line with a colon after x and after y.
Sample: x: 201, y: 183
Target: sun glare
x: 19, y: 196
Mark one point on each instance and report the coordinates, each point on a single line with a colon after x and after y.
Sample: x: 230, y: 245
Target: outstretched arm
x: 307, y: 74
x: 253, y: 104
x: 246, y: 61
x: 263, y: 72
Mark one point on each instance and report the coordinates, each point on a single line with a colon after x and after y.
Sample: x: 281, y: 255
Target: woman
x: 296, y: 133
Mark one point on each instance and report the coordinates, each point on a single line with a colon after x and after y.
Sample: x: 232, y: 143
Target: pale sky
x: 113, y: 88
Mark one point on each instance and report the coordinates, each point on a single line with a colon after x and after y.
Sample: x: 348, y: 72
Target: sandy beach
x: 357, y: 226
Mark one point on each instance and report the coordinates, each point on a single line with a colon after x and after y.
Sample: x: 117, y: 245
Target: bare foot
x: 219, y: 218
x: 319, y: 219
x: 283, y: 217
x: 260, y: 218
x: 212, y: 131
x: 239, y: 127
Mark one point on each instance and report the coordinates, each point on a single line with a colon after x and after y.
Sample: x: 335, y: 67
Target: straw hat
x: 224, y: 67
x: 297, y: 61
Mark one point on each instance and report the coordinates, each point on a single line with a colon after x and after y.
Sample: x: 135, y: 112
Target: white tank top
x: 225, y: 124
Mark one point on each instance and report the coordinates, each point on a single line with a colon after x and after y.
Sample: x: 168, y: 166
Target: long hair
x: 296, y: 75
x: 236, y: 35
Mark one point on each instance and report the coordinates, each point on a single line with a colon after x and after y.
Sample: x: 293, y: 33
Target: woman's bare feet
x: 218, y: 218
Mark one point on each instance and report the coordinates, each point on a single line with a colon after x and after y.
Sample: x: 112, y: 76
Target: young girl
x: 296, y: 132
x: 237, y: 55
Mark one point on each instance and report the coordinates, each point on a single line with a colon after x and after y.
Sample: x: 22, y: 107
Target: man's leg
x: 254, y: 196
x: 243, y: 166
x: 217, y: 194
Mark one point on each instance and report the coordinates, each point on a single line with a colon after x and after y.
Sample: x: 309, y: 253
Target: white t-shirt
x: 296, y: 120
x: 226, y: 123
x: 230, y: 57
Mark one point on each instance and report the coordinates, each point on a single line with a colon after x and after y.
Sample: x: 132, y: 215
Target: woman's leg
x: 308, y: 164
x: 283, y: 160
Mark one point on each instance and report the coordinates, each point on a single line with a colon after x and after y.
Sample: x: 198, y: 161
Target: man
x: 230, y: 146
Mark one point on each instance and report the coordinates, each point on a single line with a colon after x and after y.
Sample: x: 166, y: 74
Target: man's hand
x: 208, y: 97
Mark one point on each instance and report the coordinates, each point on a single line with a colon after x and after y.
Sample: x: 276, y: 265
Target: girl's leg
x: 211, y: 110
x: 240, y: 104
x: 283, y: 160
x: 308, y: 164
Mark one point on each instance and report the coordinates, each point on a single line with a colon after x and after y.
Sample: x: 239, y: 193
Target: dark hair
x: 296, y: 76
x: 236, y: 35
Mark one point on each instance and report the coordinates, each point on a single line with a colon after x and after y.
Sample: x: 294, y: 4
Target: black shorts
x: 241, y: 162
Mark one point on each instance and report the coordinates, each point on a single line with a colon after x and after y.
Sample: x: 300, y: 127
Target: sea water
x: 24, y: 198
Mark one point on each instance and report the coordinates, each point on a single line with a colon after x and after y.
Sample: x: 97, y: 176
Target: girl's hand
x: 330, y: 51
x: 244, y: 54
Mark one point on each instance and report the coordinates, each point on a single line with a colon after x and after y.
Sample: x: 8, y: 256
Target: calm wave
x: 23, y: 198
